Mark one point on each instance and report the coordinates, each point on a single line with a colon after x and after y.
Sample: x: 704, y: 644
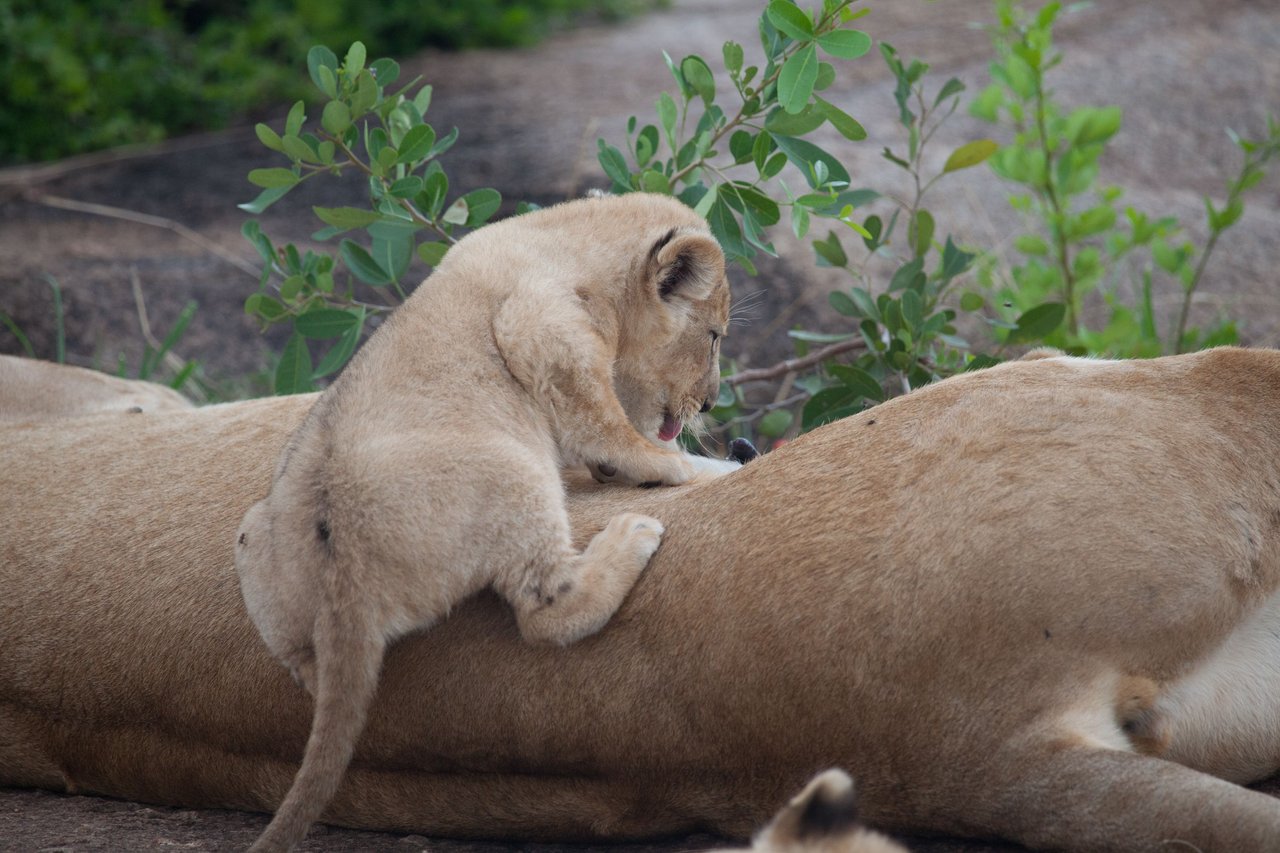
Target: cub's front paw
x: 657, y: 469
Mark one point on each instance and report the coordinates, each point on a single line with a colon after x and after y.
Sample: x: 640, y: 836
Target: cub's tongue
x: 670, y: 428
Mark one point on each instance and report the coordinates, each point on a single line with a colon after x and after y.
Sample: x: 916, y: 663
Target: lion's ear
x: 686, y: 266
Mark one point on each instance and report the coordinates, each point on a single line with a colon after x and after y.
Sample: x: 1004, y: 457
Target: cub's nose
x: 706, y: 405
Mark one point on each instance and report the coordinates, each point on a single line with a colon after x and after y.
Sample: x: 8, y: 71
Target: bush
x: 86, y: 74
x: 744, y: 162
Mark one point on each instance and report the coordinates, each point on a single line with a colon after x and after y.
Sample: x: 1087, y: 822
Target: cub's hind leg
x: 565, y: 596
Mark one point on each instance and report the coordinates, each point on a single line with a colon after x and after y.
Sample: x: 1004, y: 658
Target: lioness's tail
x: 348, y: 657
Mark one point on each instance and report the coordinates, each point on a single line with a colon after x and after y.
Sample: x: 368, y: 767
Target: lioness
x: 39, y: 390
x: 1015, y: 604
x: 431, y: 468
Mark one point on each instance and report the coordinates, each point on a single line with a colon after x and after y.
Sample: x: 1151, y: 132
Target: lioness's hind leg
x: 576, y: 597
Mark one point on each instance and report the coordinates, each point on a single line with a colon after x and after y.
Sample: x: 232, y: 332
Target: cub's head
x: 822, y: 819
x: 672, y: 318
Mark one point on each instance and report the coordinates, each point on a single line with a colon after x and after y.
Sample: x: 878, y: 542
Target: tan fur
x: 39, y: 390
x: 962, y: 596
x: 431, y: 469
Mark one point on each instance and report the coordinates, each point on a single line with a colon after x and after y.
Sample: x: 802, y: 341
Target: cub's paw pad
x: 742, y: 450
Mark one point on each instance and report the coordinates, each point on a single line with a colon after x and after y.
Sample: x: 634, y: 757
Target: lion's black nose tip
x: 706, y: 405
x: 741, y: 450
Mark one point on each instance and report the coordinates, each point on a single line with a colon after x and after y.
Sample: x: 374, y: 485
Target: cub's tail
x: 349, y: 654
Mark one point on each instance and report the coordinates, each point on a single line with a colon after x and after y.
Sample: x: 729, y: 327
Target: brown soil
x: 1182, y: 69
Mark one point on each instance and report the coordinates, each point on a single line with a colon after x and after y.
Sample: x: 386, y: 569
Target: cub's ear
x: 685, y: 265
x: 825, y: 808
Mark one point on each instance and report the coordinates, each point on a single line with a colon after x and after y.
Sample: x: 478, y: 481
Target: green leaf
x: 387, y: 71
x: 799, y: 74
x: 346, y: 217
x: 265, y: 199
x: 845, y: 44
x: 1031, y: 244
x: 830, y: 252
x: 830, y: 404
x: 843, y: 303
x: 614, y: 164
x: 1037, y: 322
x: 324, y: 323
x: 790, y: 20
x: 320, y: 56
x: 268, y: 137
x: 296, y: 149
x: 393, y: 245
x: 725, y: 228
x: 481, y: 205
x: 970, y: 154
x: 775, y: 423
x: 908, y: 275
x: 293, y: 122
x: 261, y: 305
x: 685, y: 91
x: 847, y: 125
x: 366, y: 94
x: 422, y: 100
x: 362, y: 264
x: 858, y: 380
x: 434, y: 191
x: 826, y: 76
x: 406, y: 187
x: 416, y: 144
x: 291, y: 287
x: 804, y: 154
x: 273, y: 178
x: 782, y: 122
x: 328, y: 81
x: 764, y: 209
x: 920, y: 232
x: 433, y: 253
x: 647, y: 144
x: 1098, y: 125
x: 955, y: 260
x: 980, y: 362
x: 817, y: 337
x: 293, y: 374
x: 732, y: 57
x: 971, y: 302
x: 951, y: 87
x: 698, y: 75
x: 866, y: 305
x: 340, y: 353
x: 336, y: 118
x: 354, y: 63
x: 667, y: 114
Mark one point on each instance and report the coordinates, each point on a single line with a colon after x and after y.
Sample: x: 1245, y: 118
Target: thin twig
x: 761, y: 412
x: 794, y: 365
x: 28, y: 175
x: 144, y: 219
x: 172, y: 360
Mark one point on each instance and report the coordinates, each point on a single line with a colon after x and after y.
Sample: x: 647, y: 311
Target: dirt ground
x: 1183, y: 70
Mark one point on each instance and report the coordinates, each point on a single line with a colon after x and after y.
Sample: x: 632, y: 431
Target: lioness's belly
x: 1223, y: 717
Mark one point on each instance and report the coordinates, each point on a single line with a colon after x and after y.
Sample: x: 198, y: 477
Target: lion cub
x: 583, y: 333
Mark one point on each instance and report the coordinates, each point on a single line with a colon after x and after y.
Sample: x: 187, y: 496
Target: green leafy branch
x: 382, y: 135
